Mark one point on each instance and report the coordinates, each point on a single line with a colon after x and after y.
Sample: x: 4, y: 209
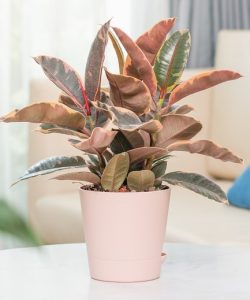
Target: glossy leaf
x: 129, y: 92
x: 135, y: 138
x: 172, y: 59
x: 146, y: 138
x: 49, y: 128
x: 182, y: 110
x: 151, y: 126
x: 79, y: 176
x: 101, y: 114
x: 68, y: 101
x: 98, y: 142
x: 49, y: 113
x: 118, y: 51
x: 159, y: 169
x: 201, y: 82
x: 140, y: 181
x: 205, y: 147
x: 124, y: 118
x: 53, y: 164
x: 66, y: 78
x: 125, y: 141
x: 14, y: 224
x: 151, y: 41
x: 139, y: 61
x: 175, y: 128
x: 196, y: 183
x: 140, y: 154
x: 93, y: 71
x: 120, y: 143
x: 94, y: 165
x: 115, y: 172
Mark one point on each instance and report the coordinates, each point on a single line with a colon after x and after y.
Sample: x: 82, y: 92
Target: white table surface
x: 60, y: 272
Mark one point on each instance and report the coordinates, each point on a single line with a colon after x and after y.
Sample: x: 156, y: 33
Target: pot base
x: 125, y: 271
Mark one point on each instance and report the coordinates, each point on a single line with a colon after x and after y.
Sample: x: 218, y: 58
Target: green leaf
x: 118, y: 51
x: 53, y: 164
x: 198, y: 184
x: 140, y: 180
x: 172, y: 59
x: 115, y: 172
x: 126, y: 140
x: 93, y: 70
x: 12, y: 223
x: 120, y: 143
x: 151, y: 41
x: 159, y: 169
x: 161, y: 158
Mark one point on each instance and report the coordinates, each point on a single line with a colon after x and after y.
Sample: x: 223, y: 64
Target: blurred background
x: 62, y: 28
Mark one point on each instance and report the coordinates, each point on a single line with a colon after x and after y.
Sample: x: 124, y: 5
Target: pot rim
x: 167, y: 189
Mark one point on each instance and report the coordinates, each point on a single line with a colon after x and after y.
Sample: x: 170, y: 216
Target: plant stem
x: 90, y: 122
x: 102, y: 161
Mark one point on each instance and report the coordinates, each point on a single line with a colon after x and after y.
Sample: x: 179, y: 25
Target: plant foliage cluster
x: 126, y: 133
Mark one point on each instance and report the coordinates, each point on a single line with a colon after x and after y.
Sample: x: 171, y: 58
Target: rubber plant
x: 127, y: 133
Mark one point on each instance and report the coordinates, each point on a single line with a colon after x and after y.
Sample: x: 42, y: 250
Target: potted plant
x: 125, y: 135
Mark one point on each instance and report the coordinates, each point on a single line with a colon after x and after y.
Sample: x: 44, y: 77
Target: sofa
x: 54, y: 206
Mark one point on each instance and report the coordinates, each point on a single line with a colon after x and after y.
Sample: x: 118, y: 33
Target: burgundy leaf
x: 205, y: 147
x: 151, y: 41
x: 201, y: 82
x: 129, y: 92
x: 139, y: 61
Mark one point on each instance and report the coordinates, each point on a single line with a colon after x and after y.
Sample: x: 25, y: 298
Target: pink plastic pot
x: 124, y: 233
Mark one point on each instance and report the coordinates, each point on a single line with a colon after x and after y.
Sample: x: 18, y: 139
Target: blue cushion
x: 239, y: 193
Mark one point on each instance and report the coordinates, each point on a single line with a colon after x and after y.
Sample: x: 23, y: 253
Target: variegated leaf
x: 79, y: 176
x: 175, y: 128
x: 53, y: 164
x: 201, y: 82
x: 66, y: 78
x: 159, y: 168
x: 172, y: 59
x: 182, y: 110
x: 139, y: 61
x: 49, y: 113
x: 205, y: 147
x: 93, y: 71
x: 98, y: 142
x: 151, y: 41
x: 140, y: 154
x: 49, y: 128
x: 118, y: 51
x: 198, y: 184
x: 129, y: 92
